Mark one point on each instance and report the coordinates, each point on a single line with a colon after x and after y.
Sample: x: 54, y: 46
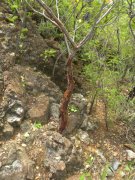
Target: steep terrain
x: 30, y: 144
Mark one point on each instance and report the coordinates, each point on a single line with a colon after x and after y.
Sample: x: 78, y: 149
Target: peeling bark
x: 67, y: 95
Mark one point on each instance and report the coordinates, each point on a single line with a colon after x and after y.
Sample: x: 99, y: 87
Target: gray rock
x: 88, y: 125
x: 26, y: 126
x: 74, y: 123
x: 83, y: 136
x: 15, y: 112
x: 54, y: 111
x: 113, y: 168
x: 15, y: 163
x: 13, y: 119
x: 59, y: 156
x: 80, y: 102
x: 77, y: 116
x: 115, y: 165
x: 130, y: 154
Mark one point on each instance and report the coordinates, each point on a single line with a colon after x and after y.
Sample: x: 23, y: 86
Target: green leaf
x: 84, y: 176
x: 104, y: 172
x: 12, y: 18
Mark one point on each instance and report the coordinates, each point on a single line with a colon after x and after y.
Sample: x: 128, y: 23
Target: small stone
x: 115, y: 165
x: 130, y: 155
x: 87, y: 166
x: 14, y: 120
x: 26, y: 134
x: 1, y: 33
x: 12, y: 54
x: 37, y: 167
x: 19, y: 110
x: 24, y: 145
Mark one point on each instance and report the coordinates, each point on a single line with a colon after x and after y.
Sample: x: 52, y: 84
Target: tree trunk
x: 67, y: 94
x: 92, y: 102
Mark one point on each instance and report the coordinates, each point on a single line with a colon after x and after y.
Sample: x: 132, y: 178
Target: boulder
x: 55, y: 153
x: 77, y: 112
x: 15, y: 164
x: 39, y: 108
x: 54, y: 112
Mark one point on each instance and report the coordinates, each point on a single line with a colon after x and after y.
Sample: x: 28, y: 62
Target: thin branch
x: 131, y: 29
x: 70, y: 15
x: 42, y: 14
x: 105, y: 14
x: 75, y: 20
x: 57, y: 21
x: 90, y: 33
x: 54, y: 67
x: 97, y: 21
x: 131, y: 15
x: 58, y: 15
x: 108, y: 23
x: 67, y: 45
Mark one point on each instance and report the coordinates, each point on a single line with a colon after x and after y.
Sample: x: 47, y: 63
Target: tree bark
x: 67, y: 94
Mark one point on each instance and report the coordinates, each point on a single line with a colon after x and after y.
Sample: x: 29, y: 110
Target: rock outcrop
x: 14, y: 163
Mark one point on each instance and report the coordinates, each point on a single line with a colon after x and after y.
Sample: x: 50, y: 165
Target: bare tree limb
x: 58, y: 15
x: 67, y: 45
x: 42, y: 14
x: 90, y: 33
x: 57, y: 21
x: 97, y: 21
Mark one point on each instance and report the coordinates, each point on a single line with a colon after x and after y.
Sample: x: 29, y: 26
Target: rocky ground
x: 30, y: 145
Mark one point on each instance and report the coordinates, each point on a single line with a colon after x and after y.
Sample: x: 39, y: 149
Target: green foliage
x: 47, y: 29
x: 37, y: 125
x: 114, y: 97
x: 12, y: 18
x: 104, y: 172
x: 48, y: 53
x: 14, y: 5
x: 85, y: 176
x: 73, y: 108
x: 130, y: 166
x: 23, y: 33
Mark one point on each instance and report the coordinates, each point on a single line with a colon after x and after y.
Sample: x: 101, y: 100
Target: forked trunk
x: 67, y: 95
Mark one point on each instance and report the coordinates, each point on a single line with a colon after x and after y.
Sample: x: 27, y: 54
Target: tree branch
x: 57, y: 9
x: 42, y: 14
x: 97, y: 21
x: 60, y: 25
